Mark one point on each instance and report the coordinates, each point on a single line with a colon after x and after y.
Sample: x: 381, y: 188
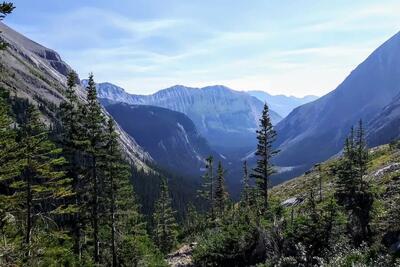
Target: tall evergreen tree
x: 94, y: 125
x: 165, y: 229
x: 118, y: 194
x: 221, y: 195
x: 41, y: 184
x: 71, y: 140
x: 264, y: 169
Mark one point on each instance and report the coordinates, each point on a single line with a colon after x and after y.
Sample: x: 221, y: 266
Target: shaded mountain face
x: 170, y: 137
x: 226, y: 118
x: 385, y: 127
x: 37, y: 73
x: 315, y: 131
x: 282, y: 104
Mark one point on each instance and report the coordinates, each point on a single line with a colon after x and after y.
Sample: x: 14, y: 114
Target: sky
x: 282, y: 47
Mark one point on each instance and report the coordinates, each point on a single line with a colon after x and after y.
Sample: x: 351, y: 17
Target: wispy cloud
x: 282, y: 47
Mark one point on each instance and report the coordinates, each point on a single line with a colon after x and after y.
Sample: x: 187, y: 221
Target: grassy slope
x: 386, y: 184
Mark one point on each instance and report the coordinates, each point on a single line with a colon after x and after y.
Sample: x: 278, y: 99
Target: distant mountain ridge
x: 315, y: 131
x: 223, y: 116
x: 282, y: 104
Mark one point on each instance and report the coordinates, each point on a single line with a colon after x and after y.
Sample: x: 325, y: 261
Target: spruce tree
x: 42, y: 186
x: 116, y: 185
x: 6, y: 8
x: 221, y: 195
x: 71, y: 140
x: 9, y: 151
x: 93, y: 123
x: 264, y: 169
x: 207, y: 190
x: 352, y: 191
x: 165, y: 226
x: 246, y: 191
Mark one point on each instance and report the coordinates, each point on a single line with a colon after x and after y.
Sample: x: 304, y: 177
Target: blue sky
x: 282, y: 47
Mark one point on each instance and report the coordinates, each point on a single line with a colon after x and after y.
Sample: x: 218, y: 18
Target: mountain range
x: 225, y: 117
x: 282, y: 104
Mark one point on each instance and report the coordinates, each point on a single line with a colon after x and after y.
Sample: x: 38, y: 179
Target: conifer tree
x: 221, y: 195
x: 116, y: 184
x: 207, y: 189
x: 165, y: 229
x: 264, y: 169
x: 6, y: 8
x: 71, y: 135
x: 246, y: 192
x: 42, y: 184
x: 352, y: 192
x: 93, y: 123
x: 9, y: 151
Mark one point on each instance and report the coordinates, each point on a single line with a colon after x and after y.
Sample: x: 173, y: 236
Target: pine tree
x: 221, y: 195
x: 352, y: 192
x: 71, y: 135
x: 262, y: 173
x: 246, y: 192
x: 42, y: 186
x: 93, y: 122
x: 165, y: 229
x: 207, y: 190
x: 9, y: 151
x: 116, y: 174
x: 6, y: 8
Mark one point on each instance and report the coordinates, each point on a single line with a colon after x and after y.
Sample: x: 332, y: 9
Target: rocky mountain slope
x: 32, y: 71
x: 316, y: 131
x: 282, y: 104
x: 226, y: 118
x: 385, y: 127
x: 170, y: 137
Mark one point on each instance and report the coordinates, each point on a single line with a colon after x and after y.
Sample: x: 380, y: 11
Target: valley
x: 94, y: 174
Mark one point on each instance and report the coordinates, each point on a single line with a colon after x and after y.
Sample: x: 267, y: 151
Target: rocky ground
x: 182, y: 257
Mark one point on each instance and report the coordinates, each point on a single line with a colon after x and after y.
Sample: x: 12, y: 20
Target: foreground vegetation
x: 344, y: 212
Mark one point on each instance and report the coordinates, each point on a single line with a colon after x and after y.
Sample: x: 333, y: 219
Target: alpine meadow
x: 297, y: 166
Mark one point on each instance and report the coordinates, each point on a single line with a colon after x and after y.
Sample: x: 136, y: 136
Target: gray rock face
x: 315, y: 131
x: 223, y: 116
x: 38, y: 73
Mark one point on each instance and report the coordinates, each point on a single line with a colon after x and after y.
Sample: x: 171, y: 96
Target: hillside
x: 315, y: 131
x: 37, y: 73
